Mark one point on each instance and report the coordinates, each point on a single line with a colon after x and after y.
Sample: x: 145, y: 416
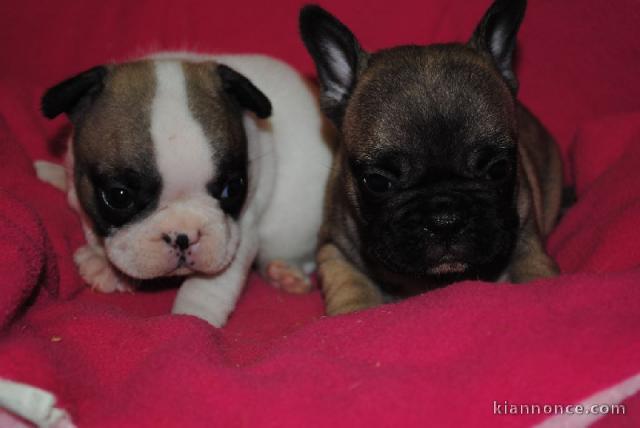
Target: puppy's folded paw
x: 95, y: 269
x: 288, y: 277
x: 345, y: 288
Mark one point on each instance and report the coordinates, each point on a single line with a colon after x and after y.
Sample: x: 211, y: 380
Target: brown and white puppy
x: 441, y: 174
x: 176, y: 171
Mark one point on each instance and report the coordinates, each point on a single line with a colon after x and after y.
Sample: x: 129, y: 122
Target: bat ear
x: 337, y: 55
x: 69, y: 95
x: 244, y: 92
x: 496, y: 35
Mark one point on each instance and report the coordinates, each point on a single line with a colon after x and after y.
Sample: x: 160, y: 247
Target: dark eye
x: 376, y: 183
x: 233, y: 189
x: 498, y: 169
x: 118, y: 198
x: 231, y: 193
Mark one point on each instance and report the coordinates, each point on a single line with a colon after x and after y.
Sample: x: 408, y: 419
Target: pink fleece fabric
x: 439, y: 359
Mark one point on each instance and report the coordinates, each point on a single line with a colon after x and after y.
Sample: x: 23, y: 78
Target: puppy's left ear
x: 496, y: 36
x: 244, y: 92
x: 338, y: 57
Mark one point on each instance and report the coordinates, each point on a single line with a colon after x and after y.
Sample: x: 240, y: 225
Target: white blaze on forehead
x: 183, y: 154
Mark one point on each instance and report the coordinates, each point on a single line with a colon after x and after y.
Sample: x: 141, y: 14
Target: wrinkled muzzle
x: 442, y: 234
x: 187, y: 236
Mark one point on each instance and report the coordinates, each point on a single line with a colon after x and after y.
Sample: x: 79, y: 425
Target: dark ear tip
x: 517, y: 7
x: 265, y: 111
x: 308, y: 11
x: 310, y: 14
x: 47, y: 108
x: 62, y: 97
x: 50, y: 105
x: 245, y: 92
x: 505, y: 3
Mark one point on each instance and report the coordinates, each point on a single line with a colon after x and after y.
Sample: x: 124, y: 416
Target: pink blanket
x: 459, y: 356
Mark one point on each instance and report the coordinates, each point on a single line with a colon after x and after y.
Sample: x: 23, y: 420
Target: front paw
x: 527, y: 272
x: 346, y: 289
x: 98, y: 272
x: 288, y: 277
x: 334, y: 308
x: 206, y: 299
x: 532, y: 266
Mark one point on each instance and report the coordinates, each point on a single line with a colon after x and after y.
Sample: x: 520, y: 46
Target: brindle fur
x: 348, y: 280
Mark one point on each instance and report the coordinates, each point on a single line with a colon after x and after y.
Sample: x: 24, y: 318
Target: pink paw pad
x: 287, y: 277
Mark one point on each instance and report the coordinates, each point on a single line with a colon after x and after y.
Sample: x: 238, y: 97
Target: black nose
x: 182, y: 241
x: 446, y: 215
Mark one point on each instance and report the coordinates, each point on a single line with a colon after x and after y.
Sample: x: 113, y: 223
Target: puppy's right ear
x: 244, y: 92
x: 69, y: 95
x: 338, y: 57
x: 496, y: 34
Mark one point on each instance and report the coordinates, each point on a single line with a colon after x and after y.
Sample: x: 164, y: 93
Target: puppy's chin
x: 181, y: 271
x: 399, y: 280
